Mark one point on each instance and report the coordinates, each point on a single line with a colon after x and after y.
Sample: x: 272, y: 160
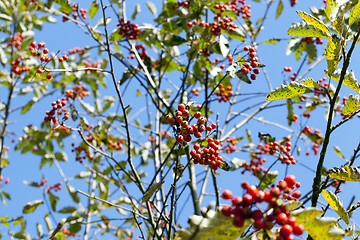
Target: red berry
x: 48, y: 76
x: 296, y: 194
x: 286, y: 230
x: 197, y: 115
x: 46, y: 51
x: 281, y: 218
x: 238, y: 221
x: 236, y: 201
x: 226, y: 210
x: 33, y: 44
x: 257, y: 214
x: 275, y: 192
x: 291, y: 180
x: 179, y: 138
x: 181, y: 107
x: 298, y: 229
x: 244, y: 185
x: 247, y: 200
x: 227, y: 194
x: 252, y: 190
x: 256, y: 71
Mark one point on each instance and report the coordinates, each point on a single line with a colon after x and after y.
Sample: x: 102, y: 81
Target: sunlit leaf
x: 224, y: 45
x: 338, y: 152
x: 279, y: 9
x: 93, y: 9
x: 313, y: 21
x: 271, y: 41
x: 53, y: 201
x: 284, y: 92
x: 304, y: 29
x: 65, y: 6
x: 309, y: 82
x: 351, y: 105
x: 31, y: 206
x: 345, y: 173
x: 331, y: 9
x: 267, y: 179
x: 354, y: 13
x: 349, y: 79
x: 29, y: 105
x: 137, y: 10
x: 332, y: 53
x: 290, y: 108
x: 318, y: 228
x: 151, y: 7
x: 214, y: 226
x: 336, y: 204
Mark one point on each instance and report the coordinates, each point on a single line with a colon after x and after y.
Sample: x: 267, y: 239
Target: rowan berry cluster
x: 195, y: 91
x: 115, y: 145
x: 224, y: 94
x: 16, y: 40
x: 183, y: 4
x: 319, y: 91
x: 42, y: 182
x: 308, y: 131
x: 15, y: 67
x: 230, y: 146
x: 57, y: 187
x: 246, y: 207
x: 209, y: 155
x: 128, y: 30
x: 66, y: 16
x: 287, y: 69
x: 236, y: 6
x: 142, y: 54
x: 251, y: 64
x: 39, y: 51
x: 77, y: 50
x: 82, y: 152
x: 182, y: 127
x: 57, y: 108
x: 77, y: 91
x: 89, y: 64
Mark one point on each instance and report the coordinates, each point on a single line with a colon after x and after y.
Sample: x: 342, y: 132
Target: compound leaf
x: 345, y: 173
x: 352, y: 104
x: 336, y: 204
x: 349, y: 79
x: 305, y: 29
x: 313, y: 21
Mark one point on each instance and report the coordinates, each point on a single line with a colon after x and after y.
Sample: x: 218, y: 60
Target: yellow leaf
x: 336, y: 205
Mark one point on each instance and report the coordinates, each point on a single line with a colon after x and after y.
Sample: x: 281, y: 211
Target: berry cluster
x: 15, y: 41
x: 183, y: 128
x: 251, y: 64
x: 79, y: 150
x: 89, y: 64
x: 57, y: 108
x: 317, y: 133
x: 310, y: 40
x: 208, y: 155
x: 276, y: 212
x: 236, y: 6
x: 183, y: 4
x: 224, y: 94
x: 77, y: 91
x: 142, y: 53
x: 15, y: 66
x: 77, y: 50
x: 115, y: 145
x: 195, y: 91
x: 230, y: 146
x: 319, y: 91
x: 83, y: 13
x: 128, y: 30
x: 57, y: 187
x: 42, y: 182
x: 287, y: 69
x: 7, y: 180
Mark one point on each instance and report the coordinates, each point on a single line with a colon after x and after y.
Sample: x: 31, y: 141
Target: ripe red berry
x: 236, y: 201
x: 244, y: 185
x: 275, y: 192
x: 296, y: 194
x: 48, y: 76
x: 256, y: 214
x: 179, y: 138
x: 227, y: 194
x: 247, y: 200
x: 39, y: 70
x: 291, y: 180
x: 197, y: 115
x: 285, y: 231
x: 238, y: 221
x: 252, y: 190
x: 33, y: 44
x: 253, y: 77
x: 298, y: 229
x: 181, y: 107
x: 256, y: 71
x: 46, y: 51
x: 226, y: 210
x: 281, y: 218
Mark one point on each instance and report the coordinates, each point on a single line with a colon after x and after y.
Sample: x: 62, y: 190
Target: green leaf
x: 214, y: 226
x: 354, y: 13
x: 314, y: 137
x: 271, y: 41
x: 318, y: 229
x: 313, y: 21
x: 242, y: 76
x: 305, y: 29
x: 345, y: 173
x: 53, y: 201
x: 338, y: 152
x: 31, y: 206
x: 29, y: 105
x: 65, y: 6
x: 93, y: 9
x: 293, y: 45
x: 151, y: 190
x: 336, y: 204
x: 349, y: 79
x: 236, y: 34
x: 61, y: 156
x: 279, y: 9
x: 309, y: 82
x: 351, y: 105
x: 285, y: 92
x: 151, y: 7
x: 266, y: 179
x: 332, y: 53
x: 68, y: 209
x: 74, y: 228
x: 331, y: 10
x: 137, y: 10
x: 73, y: 193
x: 290, y: 109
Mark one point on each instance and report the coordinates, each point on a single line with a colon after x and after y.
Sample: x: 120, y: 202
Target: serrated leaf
x: 53, y: 201
x: 224, y: 45
x: 65, y: 6
x: 309, y: 82
x: 290, y: 108
x: 279, y: 9
x: 354, y: 13
x: 314, y: 137
x: 336, y: 204
x: 349, y: 79
x: 338, y: 152
x: 284, y: 92
x: 214, y: 226
x: 271, y: 41
x: 318, y: 228
x: 31, y: 206
x: 313, y: 21
x: 151, y: 190
x: 137, y: 10
x: 345, y: 173
x: 305, y: 29
x: 93, y: 9
x: 331, y: 9
x: 332, y: 53
x: 151, y: 7
x: 351, y: 105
